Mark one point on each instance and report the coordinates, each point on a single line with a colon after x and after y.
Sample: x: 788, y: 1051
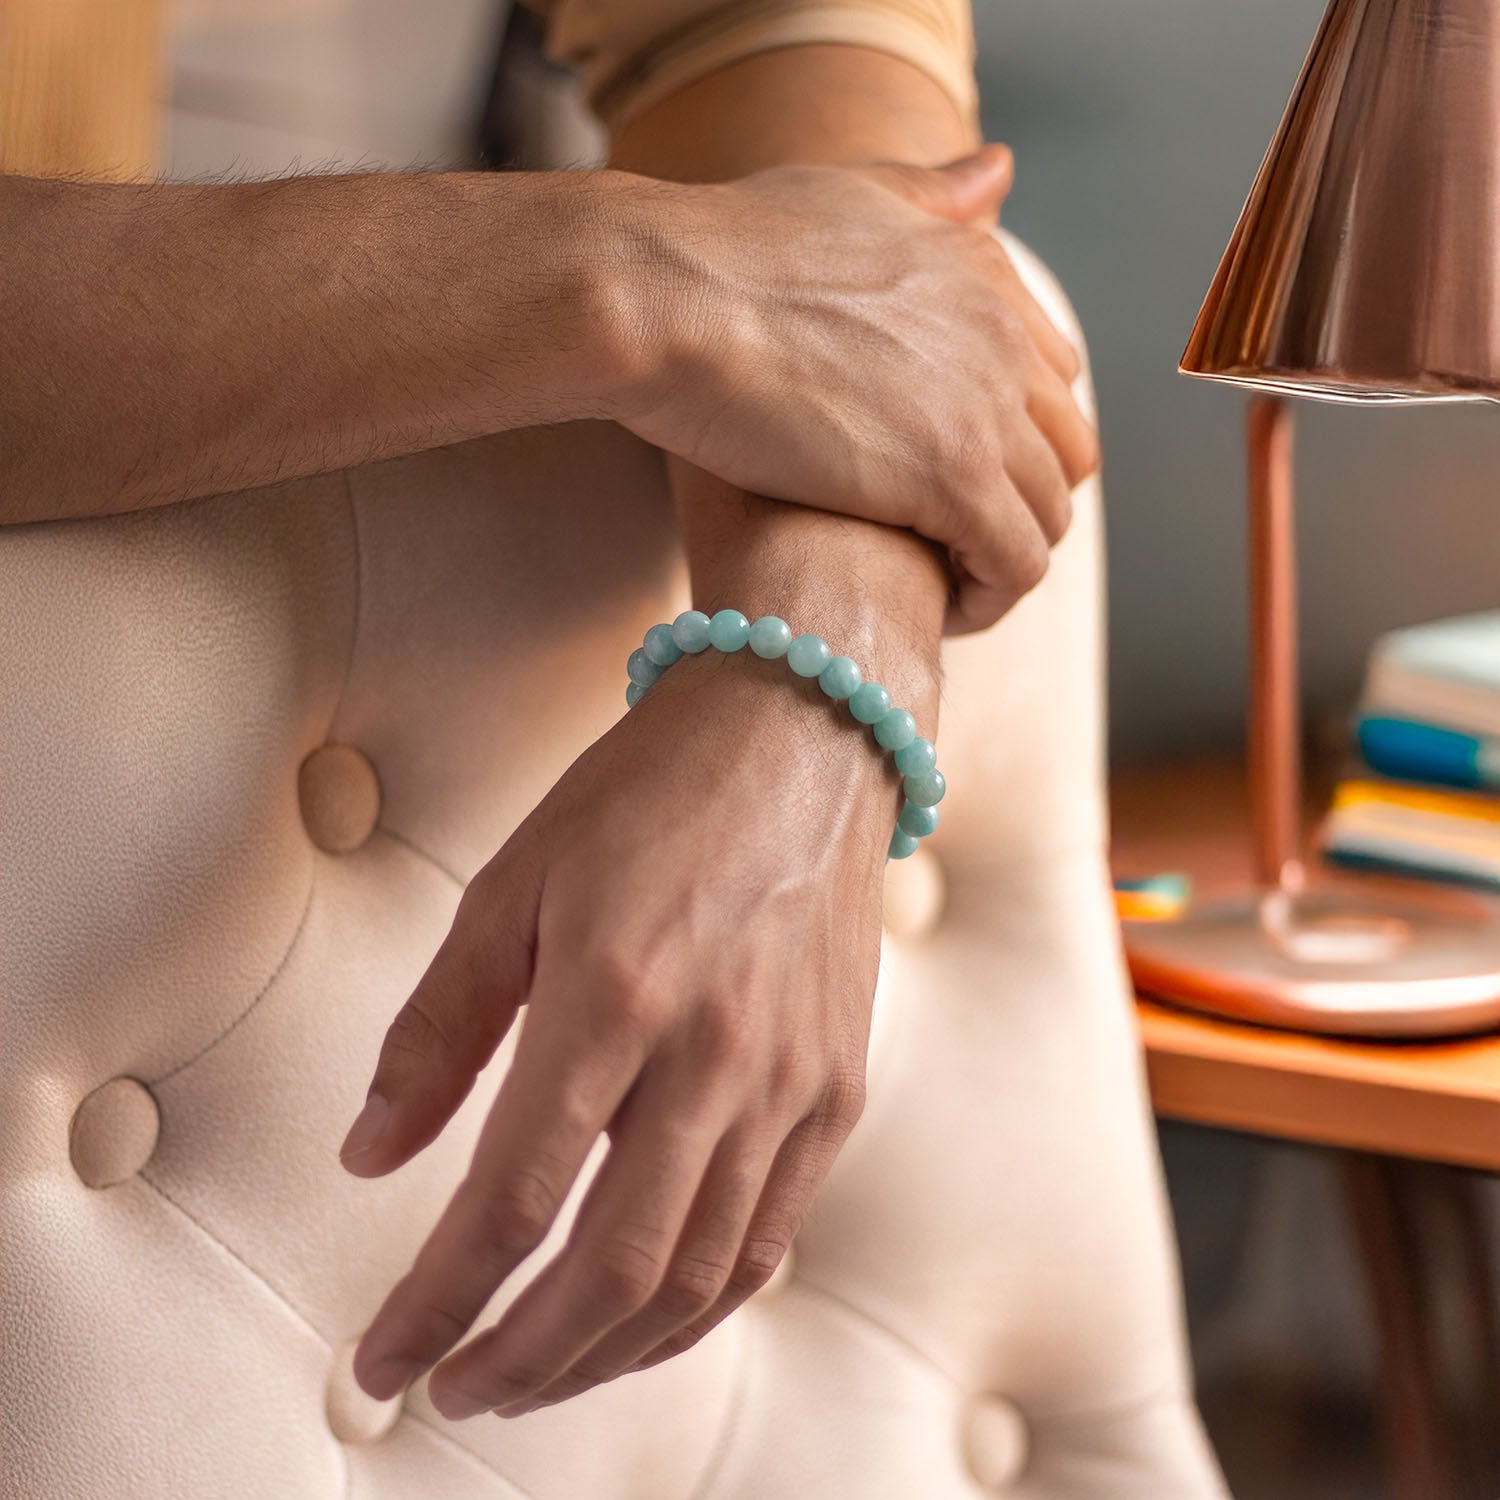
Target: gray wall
x: 1138, y: 126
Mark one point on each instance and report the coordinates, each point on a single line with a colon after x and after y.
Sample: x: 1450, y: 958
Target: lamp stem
x: 1275, y: 730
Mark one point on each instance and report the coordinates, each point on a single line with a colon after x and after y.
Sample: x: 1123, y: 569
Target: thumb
x: 447, y: 1032
x: 972, y: 187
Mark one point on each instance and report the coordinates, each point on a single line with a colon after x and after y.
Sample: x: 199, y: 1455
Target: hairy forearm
x: 160, y: 342
x: 871, y: 589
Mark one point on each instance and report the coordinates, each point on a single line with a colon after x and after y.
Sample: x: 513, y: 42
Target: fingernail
x: 457, y: 1406
x: 366, y: 1129
x: 519, y: 1409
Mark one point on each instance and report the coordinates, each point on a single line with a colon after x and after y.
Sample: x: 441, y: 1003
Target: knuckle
x: 795, y: 1084
x: 844, y: 1099
x: 628, y: 992
x: 519, y: 1209
x: 1087, y: 456
x: 1057, y: 514
x: 972, y: 454
x: 725, y: 1039
x: 445, y: 1325
x: 1010, y: 326
x: 678, y: 1343
x: 624, y: 1277
x: 1030, y: 560
x: 692, y: 1286
x: 502, y: 1381
x: 417, y: 1034
x: 757, y: 1263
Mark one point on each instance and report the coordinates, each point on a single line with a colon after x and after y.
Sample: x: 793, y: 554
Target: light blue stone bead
x: 690, y: 630
x: 633, y: 694
x: 769, y: 637
x: 660, y: 646
x: 840, y: 677
x: 895, y: 730
x: 916, y: 758
x: 926, y: 790
x: 870, y: 703
x: 640, y: 668
x: 728, y: 630
x: 808, y: 655
x: 917, y: 821
x: 903, y: 845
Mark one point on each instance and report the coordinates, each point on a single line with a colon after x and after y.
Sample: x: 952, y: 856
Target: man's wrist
x: 631, y: 271
x: 875, y: 594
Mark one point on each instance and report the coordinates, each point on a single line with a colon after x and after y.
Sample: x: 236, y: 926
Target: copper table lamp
x: 1365, y: 266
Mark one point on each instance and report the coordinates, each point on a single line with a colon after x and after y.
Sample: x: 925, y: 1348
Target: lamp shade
x: 1366, y: 261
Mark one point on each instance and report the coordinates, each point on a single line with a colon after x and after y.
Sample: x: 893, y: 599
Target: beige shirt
x: 635, y: 52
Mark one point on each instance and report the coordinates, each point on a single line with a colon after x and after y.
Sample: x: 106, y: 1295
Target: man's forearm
x: 159, y: 342
x: 874, y: 590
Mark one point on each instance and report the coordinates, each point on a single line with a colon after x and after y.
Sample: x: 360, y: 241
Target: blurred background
x: 1137, y: 127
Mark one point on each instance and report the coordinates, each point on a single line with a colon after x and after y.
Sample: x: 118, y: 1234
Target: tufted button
x: 781, y: 1277
x: 916, y: 891
x: 354, y: 1416
x: 339, y: 794
x: 995, y: 1442
x: 113, y: 1132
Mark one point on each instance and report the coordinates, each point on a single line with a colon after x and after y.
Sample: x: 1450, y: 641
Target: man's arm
x: 691, y: 917
x: 879, y: 592
x: 160, y: 342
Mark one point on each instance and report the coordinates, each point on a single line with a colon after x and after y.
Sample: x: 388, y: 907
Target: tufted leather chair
x: 251, y: 749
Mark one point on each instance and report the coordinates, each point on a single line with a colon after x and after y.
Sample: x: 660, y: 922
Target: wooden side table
x: 1387, y: 1106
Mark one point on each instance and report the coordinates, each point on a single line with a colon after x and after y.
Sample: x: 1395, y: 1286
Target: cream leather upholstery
x: 211, y: 916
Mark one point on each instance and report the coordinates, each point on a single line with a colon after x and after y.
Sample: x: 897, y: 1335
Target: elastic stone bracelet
x: 839, y: 677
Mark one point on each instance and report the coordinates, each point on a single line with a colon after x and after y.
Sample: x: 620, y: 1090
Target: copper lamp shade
x: 1365, y: 267
x: 1366, y: 262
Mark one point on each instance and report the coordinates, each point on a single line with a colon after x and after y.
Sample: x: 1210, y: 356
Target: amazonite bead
x: 633, y: 692
x: 895, y: 730
x: 916, y: 758
x: 640, y: 668
x: 870, y: 703
x: 690, y: 630
x: 769, y: 637
x: 926, y: 790
x: 903, y: 845
x: 917, y: 821
x: 661, y: 647
x: 840, y: 677
x: 808, y: 655
x: 728, y: 630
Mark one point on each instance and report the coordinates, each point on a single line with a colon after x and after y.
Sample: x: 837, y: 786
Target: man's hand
x: 850, y: 339
x: 691, y: 919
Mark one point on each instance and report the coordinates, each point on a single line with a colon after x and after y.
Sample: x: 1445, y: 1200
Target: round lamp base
x: 1336, y: 959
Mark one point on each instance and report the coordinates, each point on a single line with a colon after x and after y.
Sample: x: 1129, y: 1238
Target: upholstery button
x: 354, y: 1416
x: 339, y: 794
x: 113, y: 1132
x: 995, y: 1442
x: 916, y: 892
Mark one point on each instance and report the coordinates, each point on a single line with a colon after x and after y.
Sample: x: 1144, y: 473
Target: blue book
x: 1407, y: 750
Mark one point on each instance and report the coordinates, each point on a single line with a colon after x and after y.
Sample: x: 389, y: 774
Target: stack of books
x: 1426, y: 801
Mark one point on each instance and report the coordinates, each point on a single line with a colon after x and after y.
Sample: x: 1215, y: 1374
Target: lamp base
x: 1337, y: 959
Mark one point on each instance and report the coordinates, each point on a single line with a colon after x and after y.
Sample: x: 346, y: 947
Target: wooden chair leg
x: 1388, y: 1235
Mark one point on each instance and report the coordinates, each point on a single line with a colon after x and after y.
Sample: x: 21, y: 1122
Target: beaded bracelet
x: 839, y: 677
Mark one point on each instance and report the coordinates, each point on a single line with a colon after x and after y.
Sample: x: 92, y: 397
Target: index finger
x: 565, y: 1084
